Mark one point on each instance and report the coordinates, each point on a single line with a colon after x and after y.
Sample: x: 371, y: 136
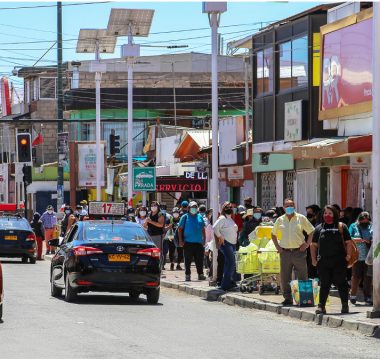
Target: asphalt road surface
x: 35, y: 325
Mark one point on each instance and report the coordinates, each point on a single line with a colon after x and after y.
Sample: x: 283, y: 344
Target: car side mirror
x: 53, y: 242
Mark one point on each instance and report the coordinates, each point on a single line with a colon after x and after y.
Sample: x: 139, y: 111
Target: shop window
x: 293, y: 61
x: 264, y: 71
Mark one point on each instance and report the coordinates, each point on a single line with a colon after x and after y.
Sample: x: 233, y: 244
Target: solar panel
x: 87, y: 41
x: 139, y: 19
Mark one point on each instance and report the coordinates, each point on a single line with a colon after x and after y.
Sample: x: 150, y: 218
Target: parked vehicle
x: 17, y: 239
x: 1, y: 292
x: 106, y: 256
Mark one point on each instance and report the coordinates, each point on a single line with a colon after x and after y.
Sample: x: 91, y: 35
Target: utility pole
x: 214, y: 10
x: 375, y: 313
x: 246, y: 79
x: 59, y: 103
x: 174, y: 97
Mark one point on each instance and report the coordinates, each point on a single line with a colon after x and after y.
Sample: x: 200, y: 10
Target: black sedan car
x: 106, y: 256
x: 17, y: 239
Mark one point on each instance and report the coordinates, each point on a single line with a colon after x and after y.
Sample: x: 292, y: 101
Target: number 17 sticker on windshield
x: 106, y: 208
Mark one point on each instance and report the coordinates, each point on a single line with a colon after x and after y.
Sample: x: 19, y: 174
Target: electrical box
x: 130, y: 50
x: 214, y: 7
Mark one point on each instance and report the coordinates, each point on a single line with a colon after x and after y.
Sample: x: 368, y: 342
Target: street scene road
x: 36, y: 325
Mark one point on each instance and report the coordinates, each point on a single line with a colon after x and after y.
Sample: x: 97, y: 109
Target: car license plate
x: 10, y: 237
x: 119, y: 257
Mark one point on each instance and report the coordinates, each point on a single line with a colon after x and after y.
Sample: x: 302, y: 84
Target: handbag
x: 350, y: 248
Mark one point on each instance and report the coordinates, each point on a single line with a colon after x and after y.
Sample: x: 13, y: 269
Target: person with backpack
x: 191, y: 234
x: 328, y: 254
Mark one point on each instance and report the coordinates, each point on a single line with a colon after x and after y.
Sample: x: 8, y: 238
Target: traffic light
x: 114, y: 144
x: 27, y: 178
x: 24, y: 147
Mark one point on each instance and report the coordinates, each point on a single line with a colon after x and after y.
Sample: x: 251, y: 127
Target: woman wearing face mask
x: 155, y: 224
x: 141, y: 214
x: 68, y: 211
x: 169, y: 243
x: 38, y: 231
x: 361, y: 233
x: 328, y: 254
x: 225, y: 230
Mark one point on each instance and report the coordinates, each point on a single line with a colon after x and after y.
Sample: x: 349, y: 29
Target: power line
x: 50, y: 6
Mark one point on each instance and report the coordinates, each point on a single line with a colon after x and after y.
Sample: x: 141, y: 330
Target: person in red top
x: 237, y: 217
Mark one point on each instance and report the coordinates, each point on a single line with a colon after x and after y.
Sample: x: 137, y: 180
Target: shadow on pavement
x: 109, y: 300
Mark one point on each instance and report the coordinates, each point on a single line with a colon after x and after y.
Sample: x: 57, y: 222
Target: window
x: 116, y: 232
x: 264, y: 72
x: 293, y: 60
x: 47, y: 88
x: 10, y: 223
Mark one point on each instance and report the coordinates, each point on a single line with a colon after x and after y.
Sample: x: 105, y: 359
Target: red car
x: 1, y: 292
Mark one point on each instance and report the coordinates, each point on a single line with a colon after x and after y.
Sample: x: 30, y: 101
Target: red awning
x: 359, y: 144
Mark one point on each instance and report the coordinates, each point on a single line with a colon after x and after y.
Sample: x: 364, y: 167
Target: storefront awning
x: 331, y: 148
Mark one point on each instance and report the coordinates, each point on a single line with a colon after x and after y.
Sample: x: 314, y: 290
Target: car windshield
x: 8, y: 223
x: 113, y: 232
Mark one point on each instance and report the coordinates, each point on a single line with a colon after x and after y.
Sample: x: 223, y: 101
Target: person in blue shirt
x: 191, y: 234
x: 361, y: 234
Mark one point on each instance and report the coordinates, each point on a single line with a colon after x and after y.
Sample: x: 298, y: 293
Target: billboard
x: 87, y: 163
x: 346, y: 67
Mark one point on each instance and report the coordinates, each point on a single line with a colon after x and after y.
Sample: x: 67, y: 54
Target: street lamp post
x: 96, y: 41
x: 130, y: 22
x: 376, y: 157
x: 214, y: 10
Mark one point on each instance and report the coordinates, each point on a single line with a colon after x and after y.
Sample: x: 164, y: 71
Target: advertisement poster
x: 123, y: 184
x: 346, y: 70
x: 87, y: 165
x: 293, y: 121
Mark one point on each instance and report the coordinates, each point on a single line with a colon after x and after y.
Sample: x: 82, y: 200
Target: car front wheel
x: 153, y: 296
x: 71, y: 294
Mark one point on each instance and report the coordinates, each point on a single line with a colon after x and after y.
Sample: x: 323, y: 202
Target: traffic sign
x: 106, y: 208
x: 144, y: 179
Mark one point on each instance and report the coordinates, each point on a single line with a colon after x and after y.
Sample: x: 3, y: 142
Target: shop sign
x: 346, y: 86
x: 180, y: 184
x: 195, y: 175
x: 87, y: 165
x: 235, y: 173
x: 293, y: 121
x: 359, y: 162
x: 144, y: 179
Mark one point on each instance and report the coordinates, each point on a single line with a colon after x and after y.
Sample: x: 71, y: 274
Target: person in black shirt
x: 155, y: 224
x: 328, y: 254
x: 37, y: 227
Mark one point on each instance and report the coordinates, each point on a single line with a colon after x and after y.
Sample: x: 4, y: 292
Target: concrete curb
x: 237, y: 299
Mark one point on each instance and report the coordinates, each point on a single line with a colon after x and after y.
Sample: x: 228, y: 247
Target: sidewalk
x: 356, y: 320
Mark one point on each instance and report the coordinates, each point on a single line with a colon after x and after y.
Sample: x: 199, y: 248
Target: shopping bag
x: 316, y: 290
x: 302, y: 292
x: 247, y: 260
x: 261, y: 236
x: 269, y: 259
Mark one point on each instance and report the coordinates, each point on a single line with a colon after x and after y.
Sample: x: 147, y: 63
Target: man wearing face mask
x: 361, y: 233
x: 313, y: 215
x: 49, y: 221
x: 252, y: 219
x: 155, y: 224
x: 191, y: 233
x: 292, y: 247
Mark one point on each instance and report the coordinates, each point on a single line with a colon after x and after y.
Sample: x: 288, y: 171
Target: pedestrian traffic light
x: 114, y: 144
x: 24, y: 147
x: 27, y: 178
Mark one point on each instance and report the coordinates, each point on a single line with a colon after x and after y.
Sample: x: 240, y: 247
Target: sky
x: 28, y: 29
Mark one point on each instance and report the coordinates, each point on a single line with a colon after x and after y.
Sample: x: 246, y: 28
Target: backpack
x: 350, y: 245
x: 176, y: 237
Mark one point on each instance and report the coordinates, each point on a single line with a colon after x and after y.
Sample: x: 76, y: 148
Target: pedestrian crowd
x: 319, y: 245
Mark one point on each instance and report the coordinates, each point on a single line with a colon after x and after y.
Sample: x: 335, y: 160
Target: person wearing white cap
x: 191, y: 233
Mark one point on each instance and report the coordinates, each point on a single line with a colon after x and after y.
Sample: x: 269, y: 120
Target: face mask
x: 67, y: 212
x: 176, y: 215
x: 257, y: 216
x: 228, y: 211
x: 329, y: 219
x: 309, y: 216
x: 247, y: 204
x: 234, y: 210
x: 193, y: 211
x: 154, y: 208
x: 142, y: 213
x: 289, y: 210
x: 163, y: 212
x: 50, y: 211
